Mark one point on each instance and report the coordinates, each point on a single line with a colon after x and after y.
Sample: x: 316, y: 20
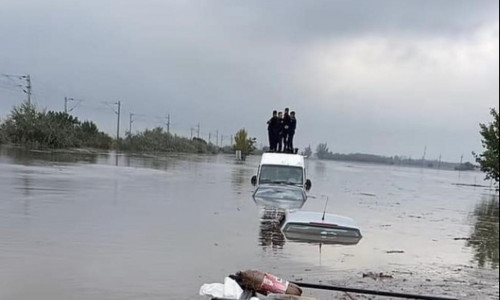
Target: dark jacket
x: 293, y: 125
x: 286, y: 122
x: 273, y: 124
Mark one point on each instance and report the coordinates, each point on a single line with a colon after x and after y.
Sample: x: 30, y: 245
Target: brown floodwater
x: 117, y: 226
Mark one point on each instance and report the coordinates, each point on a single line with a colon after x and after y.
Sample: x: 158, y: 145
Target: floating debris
x: 368, y: 194
x: 377, y: 276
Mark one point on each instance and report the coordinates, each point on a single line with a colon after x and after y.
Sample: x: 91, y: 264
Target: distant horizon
x: 124, y: 129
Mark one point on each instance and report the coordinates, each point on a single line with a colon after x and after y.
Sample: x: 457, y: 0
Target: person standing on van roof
x: 280, y: 131
x: 286, y: 128
x: 291, y: 131
x: 272, y: 131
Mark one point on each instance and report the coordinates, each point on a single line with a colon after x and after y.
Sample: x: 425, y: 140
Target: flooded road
x: 106, y: 226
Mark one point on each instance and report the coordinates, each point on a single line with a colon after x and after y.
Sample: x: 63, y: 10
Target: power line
x: 66, y: 100
x: 117, y: 112
x: 25, y: 88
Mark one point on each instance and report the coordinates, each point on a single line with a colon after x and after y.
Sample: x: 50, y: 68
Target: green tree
x: 24, y: 125
x: 488, y: 160
x: 243, y: 143
x: 322, y: 151
x: 30, y: 127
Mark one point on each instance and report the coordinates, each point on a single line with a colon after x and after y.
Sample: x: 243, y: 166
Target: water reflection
x: 240, y: 177
x: 28, y: 157
x: 484, y: 239
x: 320, y: 167
x: 270, y: 234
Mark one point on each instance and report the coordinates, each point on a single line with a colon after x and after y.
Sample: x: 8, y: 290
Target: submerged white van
x: 281, y: 180
x: 282, y: 169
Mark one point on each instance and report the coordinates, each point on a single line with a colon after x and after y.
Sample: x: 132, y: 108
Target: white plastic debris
x: 214, y: 290
x: 232, y: 289
x: 229, y: 290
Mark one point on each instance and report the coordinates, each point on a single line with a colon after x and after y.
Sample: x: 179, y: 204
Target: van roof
x: 282, y: 159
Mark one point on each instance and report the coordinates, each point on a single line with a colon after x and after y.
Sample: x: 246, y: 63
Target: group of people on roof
x: 281, y: 129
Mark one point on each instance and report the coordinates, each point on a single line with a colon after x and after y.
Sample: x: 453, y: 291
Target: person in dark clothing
x: 286, y: 129
x: 291, y: 131
x: 272, y: 130
x: 280, y: 131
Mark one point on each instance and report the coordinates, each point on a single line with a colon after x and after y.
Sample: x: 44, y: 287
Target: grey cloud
x: 227, y: 64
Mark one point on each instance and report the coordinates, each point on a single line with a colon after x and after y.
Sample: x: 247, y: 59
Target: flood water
x: 106, y: 226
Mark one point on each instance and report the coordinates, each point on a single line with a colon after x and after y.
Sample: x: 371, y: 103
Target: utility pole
x: 168, y: 123
x: 28, y: 87
x: 222, y: 140
x: 66, y: 99
x: 439, y: 163
x: 460, y: 165
x: 232, y: 140
x: 209, y: 137
x: 217, y: 138
x: 198, y: 131
x: 192, y: 132
x: 118, y: 121
x: 130, y: 123
x: 423, y: 156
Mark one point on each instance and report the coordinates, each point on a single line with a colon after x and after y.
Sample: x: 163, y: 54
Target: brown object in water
x: 265, y: 283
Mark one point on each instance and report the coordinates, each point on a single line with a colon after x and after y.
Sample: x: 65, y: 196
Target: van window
x: 281, y: 175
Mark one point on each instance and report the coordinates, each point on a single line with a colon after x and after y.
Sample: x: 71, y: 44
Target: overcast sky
x: 380, y: 77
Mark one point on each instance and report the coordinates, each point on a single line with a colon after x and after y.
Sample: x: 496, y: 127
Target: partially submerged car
x: 316, y: 227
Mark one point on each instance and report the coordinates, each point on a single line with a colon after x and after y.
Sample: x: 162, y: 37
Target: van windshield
x: 281, y: 175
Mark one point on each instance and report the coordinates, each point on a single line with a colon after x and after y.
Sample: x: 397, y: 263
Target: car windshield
x: 271, y: 193
x: 281, y: 175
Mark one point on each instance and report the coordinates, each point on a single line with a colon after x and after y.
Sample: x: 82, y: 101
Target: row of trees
x: 157, y: 140
x: 32, y: 128
x: 487, y: 160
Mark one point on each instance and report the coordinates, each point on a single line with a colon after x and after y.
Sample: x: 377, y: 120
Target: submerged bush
x: 156, y: 140
x: 39, y: 129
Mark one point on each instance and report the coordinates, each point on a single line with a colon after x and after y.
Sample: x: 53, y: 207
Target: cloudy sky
x: 381, y: 77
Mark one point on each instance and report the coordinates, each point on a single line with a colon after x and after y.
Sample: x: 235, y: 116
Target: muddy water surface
x: 106, y: 226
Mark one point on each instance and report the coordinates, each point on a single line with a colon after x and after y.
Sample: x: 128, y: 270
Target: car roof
x: 307, y: 217
x: 282, y: 159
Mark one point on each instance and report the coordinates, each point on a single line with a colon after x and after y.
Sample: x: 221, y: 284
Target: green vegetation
x: 488, y: 160
x: 29, y: 127
x: 243, y: 143
x: 465, y: 167
x: 32, y: 128
x: 322, y: 152
x: 156, y: 140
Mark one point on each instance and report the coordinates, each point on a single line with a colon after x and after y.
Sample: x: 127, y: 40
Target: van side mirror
x: 254, y: 180
x: 308, y: 184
